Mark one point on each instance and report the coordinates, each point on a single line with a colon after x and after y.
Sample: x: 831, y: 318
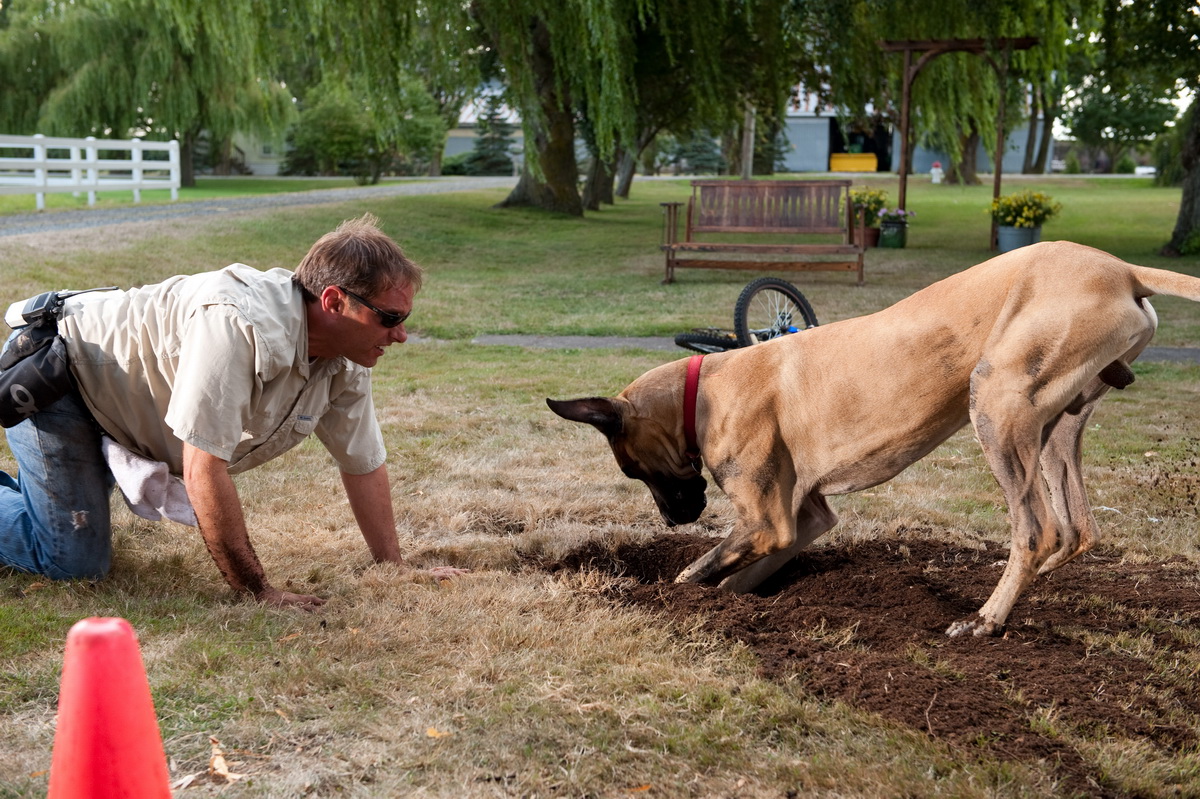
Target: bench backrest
x: 768, y: 206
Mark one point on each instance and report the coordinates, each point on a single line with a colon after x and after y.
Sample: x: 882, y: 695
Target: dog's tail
x: 1149, y: 281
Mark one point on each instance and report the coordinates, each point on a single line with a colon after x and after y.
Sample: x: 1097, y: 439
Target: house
x: 816, y: 143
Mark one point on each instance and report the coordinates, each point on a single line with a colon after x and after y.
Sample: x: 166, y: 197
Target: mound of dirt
x: 866, y: 625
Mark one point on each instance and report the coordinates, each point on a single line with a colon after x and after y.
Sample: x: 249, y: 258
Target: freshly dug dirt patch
x: 1099, y: 649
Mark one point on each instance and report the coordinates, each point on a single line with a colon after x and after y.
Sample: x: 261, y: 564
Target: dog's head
x: 648, y: 447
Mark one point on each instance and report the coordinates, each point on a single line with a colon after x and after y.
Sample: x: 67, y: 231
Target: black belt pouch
x: 34, y: 372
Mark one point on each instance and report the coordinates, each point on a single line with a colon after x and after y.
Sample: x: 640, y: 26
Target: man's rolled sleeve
x: 349, y: 429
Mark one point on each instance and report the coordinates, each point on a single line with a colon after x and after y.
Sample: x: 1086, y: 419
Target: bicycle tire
x: 707, y: 342
x: 768, y: 308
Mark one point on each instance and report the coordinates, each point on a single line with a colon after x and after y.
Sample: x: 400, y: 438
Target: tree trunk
x: 748, y: 130
x: 627, y: 161
x: 187, y: 161
x: 599, y: 186
x: 1186, y: 236
x: 605, y: 187
x: 1113, y: 153
x: 555, y: 186
x: 1049, y: 114
x: 731, y: 148
x: 1031, y: 134
x: 966, y: 171
x: 626, y: 166
x: 435, y: 160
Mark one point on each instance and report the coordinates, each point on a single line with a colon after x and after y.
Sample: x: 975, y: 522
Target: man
x: 211, y: 375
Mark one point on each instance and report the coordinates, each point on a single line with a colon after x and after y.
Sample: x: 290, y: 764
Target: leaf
x: 217, y: 766
x: 434, y: 732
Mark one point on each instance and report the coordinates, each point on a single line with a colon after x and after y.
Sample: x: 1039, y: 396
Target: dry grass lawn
x: 512, y: 681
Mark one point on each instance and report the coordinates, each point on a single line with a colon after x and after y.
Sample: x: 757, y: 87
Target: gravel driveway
x: 51, y: 221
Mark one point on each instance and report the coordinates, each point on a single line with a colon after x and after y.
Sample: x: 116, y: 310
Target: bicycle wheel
x: 707, y: 341
x: 768, y: 308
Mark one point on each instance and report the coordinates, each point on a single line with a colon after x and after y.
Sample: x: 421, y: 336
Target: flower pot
x: 866, y: 236
x: 893, y: 234
x: 1010, y: 238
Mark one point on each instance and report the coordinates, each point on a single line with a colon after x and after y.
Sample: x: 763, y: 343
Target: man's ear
x: 331, y: 300
x: 603, y: 413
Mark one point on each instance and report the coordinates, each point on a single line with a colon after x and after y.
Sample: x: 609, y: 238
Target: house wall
x: 808, y: 144
x: 810, y: 138
x: 1013, y: 160
x: 263, y: 158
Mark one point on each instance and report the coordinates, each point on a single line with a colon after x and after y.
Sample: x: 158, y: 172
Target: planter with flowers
x: 867, y: 203
x: 1019, y: 218
x: 893, y: 226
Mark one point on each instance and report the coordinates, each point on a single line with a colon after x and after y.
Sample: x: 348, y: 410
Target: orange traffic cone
x: 107, y: 744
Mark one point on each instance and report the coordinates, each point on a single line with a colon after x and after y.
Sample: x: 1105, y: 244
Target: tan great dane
x: 1023, y: 346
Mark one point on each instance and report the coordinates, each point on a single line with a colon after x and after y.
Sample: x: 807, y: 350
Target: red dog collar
x: 690, y: 389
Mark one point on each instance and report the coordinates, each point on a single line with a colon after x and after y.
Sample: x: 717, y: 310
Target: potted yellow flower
x: 1019, y: 218
x: 867, y: 203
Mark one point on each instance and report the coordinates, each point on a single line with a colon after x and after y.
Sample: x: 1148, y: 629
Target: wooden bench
x: 793, y: 207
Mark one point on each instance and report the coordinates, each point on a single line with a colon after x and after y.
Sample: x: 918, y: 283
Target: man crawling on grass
x: 174, y: 387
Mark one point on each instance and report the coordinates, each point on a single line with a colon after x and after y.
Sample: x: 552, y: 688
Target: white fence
x: 75, y: 165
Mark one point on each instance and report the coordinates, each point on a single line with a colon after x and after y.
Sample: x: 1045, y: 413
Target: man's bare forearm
x: 370, y: 498
x: 222, y: 523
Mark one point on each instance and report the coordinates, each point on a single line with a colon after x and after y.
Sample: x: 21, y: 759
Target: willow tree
x: 140, y: 68
x: 956, y: 98
x: 563, y: 63
x: 759, y: 51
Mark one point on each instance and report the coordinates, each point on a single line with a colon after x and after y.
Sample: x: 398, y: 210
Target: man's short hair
x: 357, y: 256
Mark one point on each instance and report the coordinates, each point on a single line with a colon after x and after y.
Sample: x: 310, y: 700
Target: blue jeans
x: 55, y: 518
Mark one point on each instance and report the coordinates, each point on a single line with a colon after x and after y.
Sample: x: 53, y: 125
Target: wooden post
x: 906, y: 84
x: 931, y: 49
x: 998, y: 166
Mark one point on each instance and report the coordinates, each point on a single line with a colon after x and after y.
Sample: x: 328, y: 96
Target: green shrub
x: 455, y: 164
x: 334, y: 136
x: 1125, y: 165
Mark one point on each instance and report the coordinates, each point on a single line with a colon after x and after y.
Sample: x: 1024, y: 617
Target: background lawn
x: 515, y: 681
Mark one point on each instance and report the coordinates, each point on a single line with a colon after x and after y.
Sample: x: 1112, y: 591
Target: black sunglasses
x: 386, y: 318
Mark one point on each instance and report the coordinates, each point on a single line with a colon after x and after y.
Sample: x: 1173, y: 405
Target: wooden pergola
x: 927, y: 51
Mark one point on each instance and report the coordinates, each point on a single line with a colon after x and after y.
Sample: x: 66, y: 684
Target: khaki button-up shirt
x: 219, y: 360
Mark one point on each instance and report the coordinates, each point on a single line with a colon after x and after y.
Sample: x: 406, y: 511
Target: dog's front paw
x: 975, y: 625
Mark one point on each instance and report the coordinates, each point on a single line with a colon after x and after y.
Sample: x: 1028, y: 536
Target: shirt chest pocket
x: 299, y: 425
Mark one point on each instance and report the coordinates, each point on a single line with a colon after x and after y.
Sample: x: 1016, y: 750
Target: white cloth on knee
x: 150, y: 490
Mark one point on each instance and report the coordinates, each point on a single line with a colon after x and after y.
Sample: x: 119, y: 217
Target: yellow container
x: 853, y: 162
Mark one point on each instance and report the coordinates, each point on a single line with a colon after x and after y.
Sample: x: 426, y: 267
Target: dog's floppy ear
x: 603, y: 413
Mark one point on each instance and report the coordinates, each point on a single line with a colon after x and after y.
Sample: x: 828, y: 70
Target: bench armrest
x: 670, y: 233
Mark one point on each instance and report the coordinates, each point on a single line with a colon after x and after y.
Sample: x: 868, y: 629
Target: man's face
x: 365, y: 337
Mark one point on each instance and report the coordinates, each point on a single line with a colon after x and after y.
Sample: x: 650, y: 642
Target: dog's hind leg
x: 1061, y: 461
x: 1010, y: 427
x: 1062, y: 457
x: 814, y: 520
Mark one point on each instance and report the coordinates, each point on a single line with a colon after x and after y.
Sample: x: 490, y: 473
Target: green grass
x: 534, y: 683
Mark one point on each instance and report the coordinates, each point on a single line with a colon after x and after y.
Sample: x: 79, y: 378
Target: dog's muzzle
x: 679, y: 501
